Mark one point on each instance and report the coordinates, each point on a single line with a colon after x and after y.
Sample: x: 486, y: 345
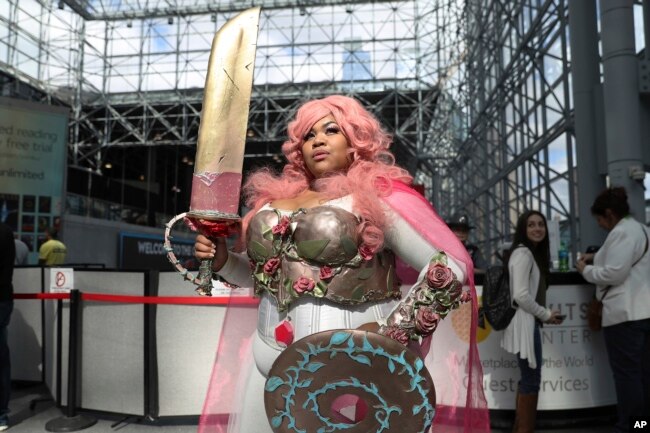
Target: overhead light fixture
x: 250, y: 133
x: 61, y: 4
x: 142, y: 177
x: 170, y: 20
x: 108, y: 165
x: 129, y: 23
x: 213, y: 18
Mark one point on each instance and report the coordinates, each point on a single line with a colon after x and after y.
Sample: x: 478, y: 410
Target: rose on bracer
x: 271, y: 265
x: 426, y: 320
x: 326, y: 273
x: 439, y: 276
x: 398, y: 334
x: 282, y: 227
x: 304, y: 284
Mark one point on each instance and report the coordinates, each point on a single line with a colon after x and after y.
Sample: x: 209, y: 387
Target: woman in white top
x: 528, y: 268
x: 621, y: 270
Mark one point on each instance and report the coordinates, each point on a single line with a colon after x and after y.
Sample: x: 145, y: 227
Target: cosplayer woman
x: 321, y: 242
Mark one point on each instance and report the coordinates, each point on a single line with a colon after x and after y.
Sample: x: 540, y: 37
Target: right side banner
x: 575, y: 370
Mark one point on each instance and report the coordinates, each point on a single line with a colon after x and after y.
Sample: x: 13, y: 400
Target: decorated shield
x: 349, y: 380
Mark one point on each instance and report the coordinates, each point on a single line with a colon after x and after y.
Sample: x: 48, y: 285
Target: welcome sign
x: 145, y: 251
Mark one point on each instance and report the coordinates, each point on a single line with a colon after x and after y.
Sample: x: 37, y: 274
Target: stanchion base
x: 74, y: 423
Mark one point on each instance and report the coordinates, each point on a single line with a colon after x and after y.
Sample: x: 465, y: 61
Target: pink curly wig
x: 367, y: 179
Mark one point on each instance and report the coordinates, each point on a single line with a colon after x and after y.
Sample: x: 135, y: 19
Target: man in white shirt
x: 22, y: 252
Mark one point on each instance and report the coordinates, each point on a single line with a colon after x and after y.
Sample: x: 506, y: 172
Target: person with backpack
x: 528, y: 269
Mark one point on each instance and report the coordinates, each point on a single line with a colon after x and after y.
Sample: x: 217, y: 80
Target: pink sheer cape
x: 451, y: 354
x: 453, y: 362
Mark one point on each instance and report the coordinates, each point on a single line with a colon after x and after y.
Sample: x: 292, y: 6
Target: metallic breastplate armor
x: 315, y: 252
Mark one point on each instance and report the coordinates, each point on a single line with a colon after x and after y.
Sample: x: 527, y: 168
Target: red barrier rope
x: 41, y: 296
x: 129, y: 299
x: 183, y: 300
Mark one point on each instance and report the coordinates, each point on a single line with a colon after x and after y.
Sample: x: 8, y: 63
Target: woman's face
x: 325, y: 148
x: 607, y: 221
x: 535, y: 229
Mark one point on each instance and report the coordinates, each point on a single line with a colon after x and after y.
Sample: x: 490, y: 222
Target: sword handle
x: 170, y: 251
x: 211, y: 229
x: 204, y: 278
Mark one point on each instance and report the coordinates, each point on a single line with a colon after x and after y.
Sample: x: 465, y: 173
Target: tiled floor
x: 31, y: 410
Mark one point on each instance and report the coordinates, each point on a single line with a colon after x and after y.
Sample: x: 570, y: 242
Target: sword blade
x: 216, y: 184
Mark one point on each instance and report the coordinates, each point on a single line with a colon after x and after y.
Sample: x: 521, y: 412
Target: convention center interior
x: 150, y: 147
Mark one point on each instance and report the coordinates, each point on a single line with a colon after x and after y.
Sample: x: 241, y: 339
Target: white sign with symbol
x: 61, y: 280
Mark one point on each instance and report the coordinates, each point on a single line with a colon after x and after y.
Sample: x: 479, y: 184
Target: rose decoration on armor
x: 426, y: 320
x: 326, y: 273
x: 271, y: 265
x: 282, y: 227
x: 303, y: 285
x: 398, y: 334
x: 439, y: 276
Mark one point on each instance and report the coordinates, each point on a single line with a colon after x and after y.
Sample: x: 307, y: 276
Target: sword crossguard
x: 211, y: 229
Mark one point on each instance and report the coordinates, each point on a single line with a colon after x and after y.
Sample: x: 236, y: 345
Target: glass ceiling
x: 368, y: 45
x: 121, y: 9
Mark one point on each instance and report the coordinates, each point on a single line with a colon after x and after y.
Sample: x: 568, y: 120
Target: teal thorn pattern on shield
x: 349, y: 381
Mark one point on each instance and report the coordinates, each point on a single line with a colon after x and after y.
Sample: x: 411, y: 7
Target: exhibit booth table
x: 577, y: 384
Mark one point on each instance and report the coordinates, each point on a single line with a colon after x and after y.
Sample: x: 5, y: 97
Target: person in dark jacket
x: 459, y: 224
x: 7, y: 257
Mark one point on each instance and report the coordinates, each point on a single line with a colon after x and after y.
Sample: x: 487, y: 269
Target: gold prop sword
x: 216, y: 183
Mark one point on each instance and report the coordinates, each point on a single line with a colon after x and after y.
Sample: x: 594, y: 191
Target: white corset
x: 308, y: 315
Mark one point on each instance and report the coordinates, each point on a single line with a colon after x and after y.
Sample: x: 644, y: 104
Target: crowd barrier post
x: 72, y: 421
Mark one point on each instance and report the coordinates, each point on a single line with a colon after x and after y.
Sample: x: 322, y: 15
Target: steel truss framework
x: 477, y: 93
x: 508, y: 116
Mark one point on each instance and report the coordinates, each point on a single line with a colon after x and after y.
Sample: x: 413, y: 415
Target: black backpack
x: 497, y: 305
